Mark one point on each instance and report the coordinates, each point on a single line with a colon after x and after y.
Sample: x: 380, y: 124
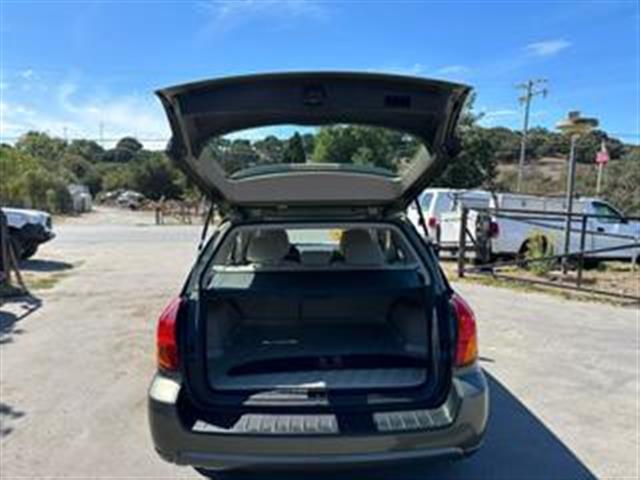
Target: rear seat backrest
x: 268, y: 247
x: 359, y: 248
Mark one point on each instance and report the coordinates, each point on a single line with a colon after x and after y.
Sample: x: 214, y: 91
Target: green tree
x: 87, y: 149
x: 238, y: 156
x: 41, y: 146
x: 13, y: 165
x: 117, y: 155
x: 505, y: 143
x: 270, y: 149
x: 84, y: 171
x: 334, y: 144
x: 115, y: 176
x: 366, y: 146
x: 544, y: 143
x: 155, y: 177
x: 294, y: 150
x: 41, y: 189
x: 622, y: 182
x: 588, y: 146
x: 475, y: 164
x: 125, y: 151
x: 129, y: 143
x: 308, y: 141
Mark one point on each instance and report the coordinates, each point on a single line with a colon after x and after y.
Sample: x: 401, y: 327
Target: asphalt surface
x: 74, y: 369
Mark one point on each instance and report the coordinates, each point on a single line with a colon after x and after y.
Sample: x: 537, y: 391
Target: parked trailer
x: 512, y: 220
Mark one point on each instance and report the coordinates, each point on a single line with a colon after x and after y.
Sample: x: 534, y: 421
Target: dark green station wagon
x: 315, y: 329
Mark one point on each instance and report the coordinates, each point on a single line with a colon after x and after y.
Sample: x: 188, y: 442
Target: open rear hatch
x: 200, y: 112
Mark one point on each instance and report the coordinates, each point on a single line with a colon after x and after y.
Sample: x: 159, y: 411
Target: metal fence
x: 476, y: 241
x: 174, y: 211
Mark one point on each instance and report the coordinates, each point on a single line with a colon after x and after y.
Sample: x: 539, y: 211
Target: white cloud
x: 27, y: 74
x: 228, y: 14
x: 126, y: 114
x: 16, y: 119
x: 506, y: 112
x: 419, y: 69
x: 81, y: 115
x: 452, y: 70
x: 498, y: 117
x: 547, y: 47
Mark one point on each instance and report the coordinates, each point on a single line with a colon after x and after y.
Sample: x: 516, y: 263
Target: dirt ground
x: 76, y: 362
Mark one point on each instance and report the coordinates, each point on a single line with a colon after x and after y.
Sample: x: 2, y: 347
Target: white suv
x: 28, y: 229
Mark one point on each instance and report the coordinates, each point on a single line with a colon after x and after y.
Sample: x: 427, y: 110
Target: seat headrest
x: 359, y: 248
x: 268, y: 246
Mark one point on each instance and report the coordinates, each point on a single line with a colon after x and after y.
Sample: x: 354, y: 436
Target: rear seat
x: 359, y: 248
x: 270, y: 247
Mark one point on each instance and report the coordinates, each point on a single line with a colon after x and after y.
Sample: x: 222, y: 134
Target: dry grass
x: 43, y: 280
x: 617, y: 277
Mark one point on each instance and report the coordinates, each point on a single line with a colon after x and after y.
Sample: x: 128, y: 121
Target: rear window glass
x: 281, y: 148
x: 325, y: 247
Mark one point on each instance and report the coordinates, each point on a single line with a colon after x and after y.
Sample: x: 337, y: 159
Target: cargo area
x: 342, y: 330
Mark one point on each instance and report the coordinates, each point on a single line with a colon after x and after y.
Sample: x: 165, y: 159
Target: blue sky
x: 70, y: 67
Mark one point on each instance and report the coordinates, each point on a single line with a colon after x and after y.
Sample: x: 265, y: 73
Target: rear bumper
x: 465, y: 416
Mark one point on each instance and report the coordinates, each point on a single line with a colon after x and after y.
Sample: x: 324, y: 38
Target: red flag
x: 603, y: 155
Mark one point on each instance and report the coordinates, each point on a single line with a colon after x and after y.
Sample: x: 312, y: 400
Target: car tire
x: 29, y: 252
x: 525, y: 251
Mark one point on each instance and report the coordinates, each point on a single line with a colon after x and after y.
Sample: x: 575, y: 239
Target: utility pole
x: 574, y: 126
x: 102, y: 134
x: 602, y: 158
x: 530, y: 91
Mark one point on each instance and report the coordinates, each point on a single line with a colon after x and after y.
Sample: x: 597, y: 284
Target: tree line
x: 38, y: 167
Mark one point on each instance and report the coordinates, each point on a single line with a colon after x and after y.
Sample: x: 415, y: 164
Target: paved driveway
x: 74, y: 370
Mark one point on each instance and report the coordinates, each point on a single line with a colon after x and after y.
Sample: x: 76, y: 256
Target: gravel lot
x: 74, y: 369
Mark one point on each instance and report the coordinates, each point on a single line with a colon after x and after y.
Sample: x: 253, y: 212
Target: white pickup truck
x: 436, y: 201
x: 512, y: 224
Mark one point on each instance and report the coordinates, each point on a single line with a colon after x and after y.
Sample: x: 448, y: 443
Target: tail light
x: 432, y: 222
x: 494, y: 229
x: 467, y: 345
x: 166, y: 336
